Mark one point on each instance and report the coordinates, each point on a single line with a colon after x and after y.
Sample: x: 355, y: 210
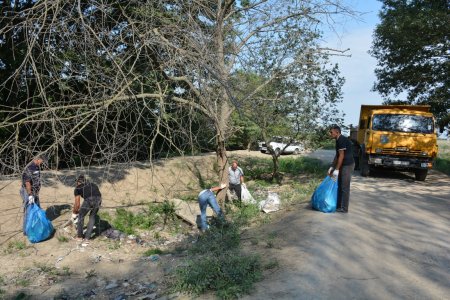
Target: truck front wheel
x: 363, y: 165
x: 421, y: 175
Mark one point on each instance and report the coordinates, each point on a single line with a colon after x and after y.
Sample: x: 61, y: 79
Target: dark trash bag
x: 324, y: 198
x: 37, y: 227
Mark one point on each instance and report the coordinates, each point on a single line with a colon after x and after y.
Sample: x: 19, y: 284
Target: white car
x: 279, y: 144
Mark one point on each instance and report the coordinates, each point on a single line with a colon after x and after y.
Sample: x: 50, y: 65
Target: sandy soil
x: 121, y: 185
x: 394, y: 243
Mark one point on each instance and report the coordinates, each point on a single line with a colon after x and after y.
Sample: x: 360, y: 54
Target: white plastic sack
x: 246, y: 196
x: 271, y: 204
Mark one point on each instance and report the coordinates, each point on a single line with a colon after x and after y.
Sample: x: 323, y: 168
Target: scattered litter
x: 111, y: 286
x: 120, y: 297
x: 271, y: 204
x: 151, y: 296
x: 96, y: 258
x: 246, y: 196
x: 89, y: 294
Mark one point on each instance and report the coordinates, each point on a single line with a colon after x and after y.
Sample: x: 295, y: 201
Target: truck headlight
x: 378, y: 150
x: 424, y: 153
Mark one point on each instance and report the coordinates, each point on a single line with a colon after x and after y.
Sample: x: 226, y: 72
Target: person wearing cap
x: 236, y: 179
x: 31, y: 185
x: 205, y: 198
x: 92, y: 201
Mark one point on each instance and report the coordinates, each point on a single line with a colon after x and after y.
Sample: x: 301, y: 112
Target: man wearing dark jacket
x: 31, y: 185
x: 92, y: 202
x: 342, y: 168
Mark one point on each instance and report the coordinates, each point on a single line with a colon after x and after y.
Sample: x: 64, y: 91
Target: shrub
x: 229, y: 273
x: 150, y: 252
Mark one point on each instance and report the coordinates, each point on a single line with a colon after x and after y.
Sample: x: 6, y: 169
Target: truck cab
x: 399, y: 137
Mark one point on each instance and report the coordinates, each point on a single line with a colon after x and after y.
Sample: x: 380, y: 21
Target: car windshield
x: 403, y: 123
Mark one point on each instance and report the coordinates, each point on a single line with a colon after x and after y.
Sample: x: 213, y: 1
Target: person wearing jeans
x: 31, y: 185
x: 205, y: 198
x: 92, y: 202
x: 342, y: 168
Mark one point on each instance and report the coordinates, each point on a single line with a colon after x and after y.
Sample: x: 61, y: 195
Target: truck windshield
x: 403, y: 123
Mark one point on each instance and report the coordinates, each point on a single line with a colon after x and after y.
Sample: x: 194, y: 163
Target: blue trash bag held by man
x: 324, y: 198
x: 38, y: 227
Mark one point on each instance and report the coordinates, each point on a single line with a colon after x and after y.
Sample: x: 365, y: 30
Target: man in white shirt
x: 236, y: 179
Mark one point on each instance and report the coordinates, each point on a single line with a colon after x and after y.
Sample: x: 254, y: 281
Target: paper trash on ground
x: 271, y: 204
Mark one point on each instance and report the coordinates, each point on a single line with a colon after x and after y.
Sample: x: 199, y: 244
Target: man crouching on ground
x: 92, y: 202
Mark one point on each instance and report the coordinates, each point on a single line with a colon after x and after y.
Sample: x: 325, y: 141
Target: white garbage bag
x: 246, y: 196
x: 271, y: 204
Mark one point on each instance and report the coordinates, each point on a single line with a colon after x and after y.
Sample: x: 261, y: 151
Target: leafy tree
x: 107, y: 79
x: 412, y: 46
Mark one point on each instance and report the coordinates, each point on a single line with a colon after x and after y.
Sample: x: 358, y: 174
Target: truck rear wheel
x: 364, y: 169
x: 421, y: 175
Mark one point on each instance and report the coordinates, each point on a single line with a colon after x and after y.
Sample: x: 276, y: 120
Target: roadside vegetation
x: 443, y: 160
x: 216, y: 262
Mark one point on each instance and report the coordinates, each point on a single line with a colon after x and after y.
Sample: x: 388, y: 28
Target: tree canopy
x: 113, y: 79
x: 412, y: 46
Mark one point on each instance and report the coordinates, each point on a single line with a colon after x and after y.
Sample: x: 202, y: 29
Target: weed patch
x: 127, y: 221
x: 216, y: 263
x: 229, y: 274
x: 62, y: 239
x: 14, y: 246
x: 150, y: 252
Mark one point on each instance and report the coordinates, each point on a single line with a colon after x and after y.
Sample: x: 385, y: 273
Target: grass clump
x: 14, y: 246
x: 151, y: 252
x: 62, y: 239
x: 230, y: 274
x: 127, y: 221
x: 216, y: 263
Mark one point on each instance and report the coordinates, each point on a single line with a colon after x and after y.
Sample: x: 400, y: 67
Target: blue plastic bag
x: 38, y: 228
x: 324, y: 198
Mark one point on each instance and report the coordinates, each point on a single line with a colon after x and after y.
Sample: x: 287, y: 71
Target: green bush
x: 301, y: 165
x: 443, y: 164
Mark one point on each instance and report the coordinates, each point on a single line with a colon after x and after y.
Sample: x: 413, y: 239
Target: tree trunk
x: 275, y: 166
x: 222, y: 164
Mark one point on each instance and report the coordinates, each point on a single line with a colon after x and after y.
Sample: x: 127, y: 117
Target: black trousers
x: 237, y: 189
x: 91, y: 205
x: 344, y: 179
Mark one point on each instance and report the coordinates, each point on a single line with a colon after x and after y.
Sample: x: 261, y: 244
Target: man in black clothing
x: 342, y: 168
x: 92, y: 202
x: 31, y: 185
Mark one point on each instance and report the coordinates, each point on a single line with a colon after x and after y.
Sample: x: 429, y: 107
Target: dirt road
x: 394, y: 244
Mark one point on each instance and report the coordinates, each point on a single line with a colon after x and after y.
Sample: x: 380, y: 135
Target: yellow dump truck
x: 399, y: 137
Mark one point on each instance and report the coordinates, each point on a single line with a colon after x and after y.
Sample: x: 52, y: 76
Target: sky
x: 358, y: 69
